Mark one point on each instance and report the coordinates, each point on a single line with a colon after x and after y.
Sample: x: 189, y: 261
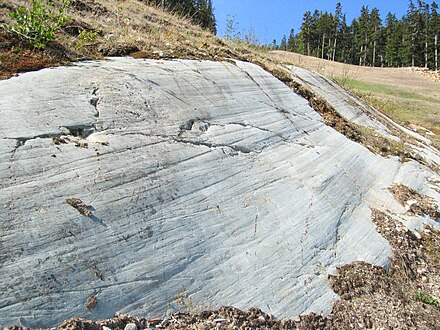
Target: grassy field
x: 413, y: 109
x: 403, y: 94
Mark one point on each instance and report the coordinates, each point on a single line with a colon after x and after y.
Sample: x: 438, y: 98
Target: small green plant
x: 40, y: 23
x: 86, y: 37
x: 427, y: 299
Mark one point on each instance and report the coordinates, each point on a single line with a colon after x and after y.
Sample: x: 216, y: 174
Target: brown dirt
x: 408, y: 94
x: 372, y: 298
x: 16, y: 56
x: 368, y: 138
x: 415, y: 203
x: 151, y: 33
x: 122, y: 28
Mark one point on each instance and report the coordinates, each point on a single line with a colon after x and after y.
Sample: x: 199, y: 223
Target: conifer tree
x: 338, y: 16
x: 200, y: 11
x: 412, y: 40
x: 393, y: 35
x: 306, y: 32
x: 291, y: 41
x: 375, y: 32
x: 283, y: 44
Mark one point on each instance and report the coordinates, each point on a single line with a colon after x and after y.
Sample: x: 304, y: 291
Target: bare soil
x: 415, y: 203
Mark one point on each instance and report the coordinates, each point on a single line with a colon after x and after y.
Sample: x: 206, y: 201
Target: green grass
x: 386, y: 90
x: 402, y: 105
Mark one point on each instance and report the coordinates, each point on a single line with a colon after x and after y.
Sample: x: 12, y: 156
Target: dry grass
x: 119, y: 28
x: 115, y: 28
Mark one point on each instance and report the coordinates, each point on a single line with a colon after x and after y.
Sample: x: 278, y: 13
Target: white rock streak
x: 205, y: 179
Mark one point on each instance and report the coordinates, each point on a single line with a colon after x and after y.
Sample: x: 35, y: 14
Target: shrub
x: 40, y: 23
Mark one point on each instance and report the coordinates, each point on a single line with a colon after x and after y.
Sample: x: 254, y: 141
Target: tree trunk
x: 360, y: 56
x: 329, y: 48
x: 323, y: 44
x: 426, y: 54
x: 436, y: 51
x: 365, y: 50
x: 412, y: 53
x: 374, y: 52
x: 334, y: 50
x: 308, y: 42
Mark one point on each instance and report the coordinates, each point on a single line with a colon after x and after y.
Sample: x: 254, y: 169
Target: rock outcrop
x: 140, y: 186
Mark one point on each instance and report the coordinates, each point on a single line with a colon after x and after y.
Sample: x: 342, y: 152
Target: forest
x: 201, y: 12
x: 412, y: 40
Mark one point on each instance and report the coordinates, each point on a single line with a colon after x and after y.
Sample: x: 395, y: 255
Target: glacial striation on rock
x: 139, y: 186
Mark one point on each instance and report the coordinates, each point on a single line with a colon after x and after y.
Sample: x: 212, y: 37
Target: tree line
x: 201, y: 12
x: 412, y: 40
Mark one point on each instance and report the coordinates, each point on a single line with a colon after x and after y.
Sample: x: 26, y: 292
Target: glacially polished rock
x: 208, y: 183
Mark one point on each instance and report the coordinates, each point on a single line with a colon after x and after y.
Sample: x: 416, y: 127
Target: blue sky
x: 271, y: 19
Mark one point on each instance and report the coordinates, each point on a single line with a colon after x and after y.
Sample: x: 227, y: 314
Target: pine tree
x: 363, y: 35
x: 345, y: 42
x: 283, y: 44
x: 325, y: 30
x: 393, y: 35
x: 203, y: 15
x: 412, y: 36
x: 306, y: 32
x: 200, y: 11
x: 291, y: 41
x: 412, y: 40
x: 338, y: 16
x: 375, y: 32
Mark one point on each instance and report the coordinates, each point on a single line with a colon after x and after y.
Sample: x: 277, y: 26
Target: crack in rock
x: 94, y: 101
x: 178, y: 139
x: 239, y: 149
x: 82, y: 131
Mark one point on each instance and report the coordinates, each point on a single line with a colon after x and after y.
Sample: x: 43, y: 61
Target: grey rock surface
x: 207, y: 183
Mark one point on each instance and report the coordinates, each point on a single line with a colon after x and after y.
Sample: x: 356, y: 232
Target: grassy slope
x: 403, y: 94
x: 418, y: 111
x: 126, y: 27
